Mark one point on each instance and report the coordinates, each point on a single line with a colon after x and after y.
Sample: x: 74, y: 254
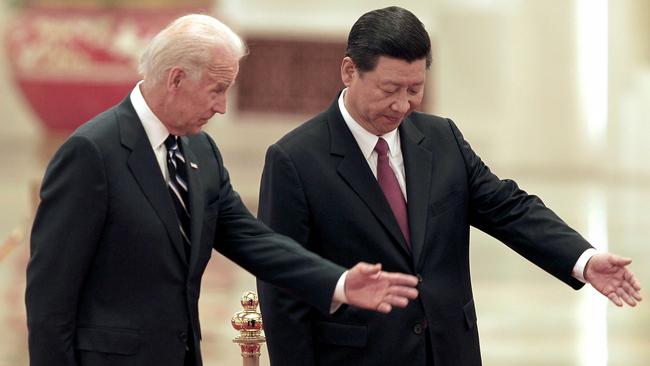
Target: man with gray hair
x: 134, y: 202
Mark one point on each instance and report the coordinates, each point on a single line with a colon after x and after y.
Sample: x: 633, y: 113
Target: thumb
x: 619, y: 261
x: 368, y: 269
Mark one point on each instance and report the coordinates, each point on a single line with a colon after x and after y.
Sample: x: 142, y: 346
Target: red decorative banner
x: 71, y: 64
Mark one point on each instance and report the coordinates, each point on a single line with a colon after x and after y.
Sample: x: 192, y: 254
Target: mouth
x: 393, y: 119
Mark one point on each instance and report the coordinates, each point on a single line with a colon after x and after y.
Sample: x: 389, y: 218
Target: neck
x: 154, y: 96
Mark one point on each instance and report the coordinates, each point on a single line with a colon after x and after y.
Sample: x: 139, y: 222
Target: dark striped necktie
x: 177, y: 185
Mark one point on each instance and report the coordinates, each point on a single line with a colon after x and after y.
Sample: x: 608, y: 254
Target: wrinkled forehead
x: 224, y: 66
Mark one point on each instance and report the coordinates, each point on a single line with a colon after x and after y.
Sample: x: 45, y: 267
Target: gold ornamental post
x: 249, y: 324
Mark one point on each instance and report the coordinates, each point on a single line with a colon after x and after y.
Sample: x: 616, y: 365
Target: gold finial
x: 249, y: 324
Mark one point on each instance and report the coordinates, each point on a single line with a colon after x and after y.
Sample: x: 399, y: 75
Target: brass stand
x: 249, y: 324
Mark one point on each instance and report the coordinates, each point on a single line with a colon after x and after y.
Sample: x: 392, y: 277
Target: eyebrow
x: 391, y: 83
x: 222, y: 85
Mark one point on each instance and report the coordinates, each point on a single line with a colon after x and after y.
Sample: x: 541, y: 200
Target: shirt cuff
x: 579, y: 268
x: 339, y: 297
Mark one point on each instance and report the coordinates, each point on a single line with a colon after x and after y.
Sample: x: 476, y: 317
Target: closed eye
x: 220, y: 88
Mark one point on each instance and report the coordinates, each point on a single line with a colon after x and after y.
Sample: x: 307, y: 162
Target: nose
x: 219, y: 105
x: 402, y: 104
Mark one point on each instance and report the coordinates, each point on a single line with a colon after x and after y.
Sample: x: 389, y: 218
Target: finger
x: 394, y: 300
x: 619, y: 261
x: 636, y: 294
x: 368, y: 269
x: 636, y: 284
x: 384, y: 308
x: 400, y: 279
x: 623, y: 295
x: 614, y: 298
x: 631, y: 290
x: 403, y: 291
x: 629, y: 277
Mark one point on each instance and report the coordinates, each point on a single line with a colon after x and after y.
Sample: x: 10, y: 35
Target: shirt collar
x: 365, y: 139
x: 153, y: 127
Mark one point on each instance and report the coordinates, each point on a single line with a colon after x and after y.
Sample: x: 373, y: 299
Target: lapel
x: 354, y: 170
x: 196, y: 199
x: 144, y: 167
x: 417, y: 166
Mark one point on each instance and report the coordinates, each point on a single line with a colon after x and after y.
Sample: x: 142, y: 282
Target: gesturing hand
x: 368, y: 287
x: 608, y: 274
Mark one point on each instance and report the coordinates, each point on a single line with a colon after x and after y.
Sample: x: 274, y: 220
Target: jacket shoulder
x: 313, y: 133
x: 103, y: 128
x: 430, y: 122
x: 202, y: 144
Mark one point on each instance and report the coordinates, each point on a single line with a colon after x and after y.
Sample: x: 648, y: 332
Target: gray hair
x: 189, y: 42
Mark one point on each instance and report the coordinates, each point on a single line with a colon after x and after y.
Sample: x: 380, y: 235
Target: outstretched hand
x: 368, y: 287
x: 608, y: 274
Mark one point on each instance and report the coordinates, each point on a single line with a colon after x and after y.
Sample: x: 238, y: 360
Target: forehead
x: 223, y: 68
x: 398, y: 71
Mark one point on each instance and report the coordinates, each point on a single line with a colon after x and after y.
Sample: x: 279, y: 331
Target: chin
x: 392, y: 121
x: 388, y: 127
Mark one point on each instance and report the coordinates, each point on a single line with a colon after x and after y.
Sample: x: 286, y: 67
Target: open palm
x: 608, y: 273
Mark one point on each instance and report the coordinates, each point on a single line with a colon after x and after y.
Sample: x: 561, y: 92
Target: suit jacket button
x: 418, y: 328
x: 419, y: 276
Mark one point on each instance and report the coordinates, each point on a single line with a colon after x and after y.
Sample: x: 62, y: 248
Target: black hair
x: 393, y: 32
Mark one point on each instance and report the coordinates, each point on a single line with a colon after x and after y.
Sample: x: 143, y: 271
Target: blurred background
x: 552, y: 93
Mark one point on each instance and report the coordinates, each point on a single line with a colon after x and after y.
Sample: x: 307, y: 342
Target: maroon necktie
x: 388, y: 183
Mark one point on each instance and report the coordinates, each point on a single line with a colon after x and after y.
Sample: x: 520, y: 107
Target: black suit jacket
x: 108, y: 281
x: 318, y: 189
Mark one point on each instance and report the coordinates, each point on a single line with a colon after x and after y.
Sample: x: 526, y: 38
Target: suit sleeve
x: 270, y: 256
x: 522, y: 221
x: 64, y: 237
x: 283, y: 206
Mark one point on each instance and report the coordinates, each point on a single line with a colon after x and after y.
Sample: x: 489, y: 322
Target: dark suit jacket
x: 318, y: 189
x: 108, y: 281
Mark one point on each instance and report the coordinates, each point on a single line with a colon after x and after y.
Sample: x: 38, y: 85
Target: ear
x: 175, y: 78
x: 348, y: 71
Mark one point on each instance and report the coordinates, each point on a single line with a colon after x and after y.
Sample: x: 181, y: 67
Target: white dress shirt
x: 156, y: 131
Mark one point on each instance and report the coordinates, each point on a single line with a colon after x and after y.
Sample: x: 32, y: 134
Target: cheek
x: 377, y: 102
x: 416, y: 102
x: 197, y: 106
x: 381, y: 106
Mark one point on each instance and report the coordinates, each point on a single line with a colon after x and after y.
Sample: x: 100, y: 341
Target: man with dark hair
x: 371, y: 179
